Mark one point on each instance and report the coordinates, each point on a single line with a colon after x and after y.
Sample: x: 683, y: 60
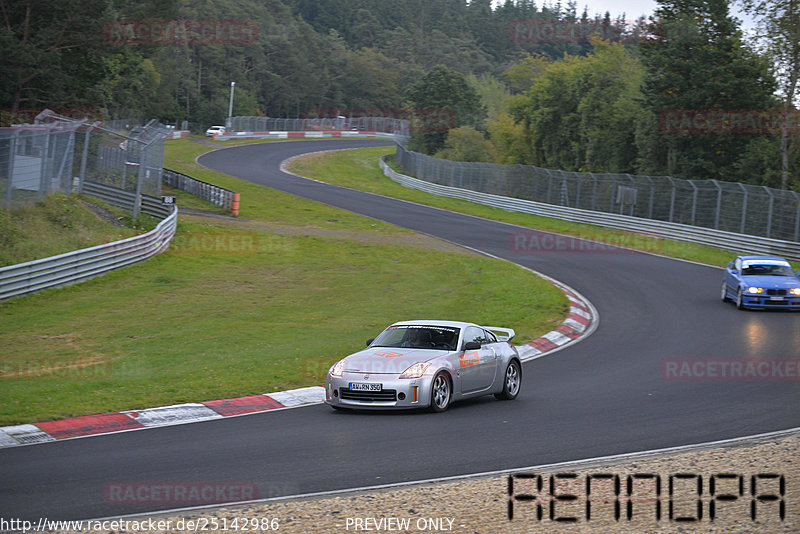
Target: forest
x: 686, y: 93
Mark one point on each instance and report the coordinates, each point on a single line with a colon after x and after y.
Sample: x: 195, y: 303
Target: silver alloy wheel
x: 512, y: 380
x: 440, y: 395
x: 739, y: 300
x: 724, y: 292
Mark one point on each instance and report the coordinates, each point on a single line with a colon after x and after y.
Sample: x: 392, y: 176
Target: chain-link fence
x: 397, y: 126
x: 35, y: 160
x: 60, y: 154
x: 729, y: 206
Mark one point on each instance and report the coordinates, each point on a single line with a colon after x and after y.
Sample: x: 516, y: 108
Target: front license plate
x: 776, y: 298
x: 361, y: 386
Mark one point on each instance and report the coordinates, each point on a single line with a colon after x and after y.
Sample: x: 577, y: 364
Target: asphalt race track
x: 606, y: 395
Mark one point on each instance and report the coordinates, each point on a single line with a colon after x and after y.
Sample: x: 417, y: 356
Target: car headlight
x: 415, y: 371
x: 337, y: 369
x: 794, y: 291
x: 755, y: 290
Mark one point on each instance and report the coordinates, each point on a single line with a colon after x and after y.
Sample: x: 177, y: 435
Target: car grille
x: 368, y: 396
x: 776, y: 291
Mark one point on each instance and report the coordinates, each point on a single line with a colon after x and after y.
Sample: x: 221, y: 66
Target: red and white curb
x: 89, y: 425
x: 299, y: 135
x: 581, y: 321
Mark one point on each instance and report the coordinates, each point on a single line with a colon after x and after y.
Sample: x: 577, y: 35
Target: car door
x: 477, y: 366
x: 732, y: 273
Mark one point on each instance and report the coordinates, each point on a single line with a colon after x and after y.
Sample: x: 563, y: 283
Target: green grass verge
x: 365, y: 175
x: 52, y: 226
x: 236, y: 308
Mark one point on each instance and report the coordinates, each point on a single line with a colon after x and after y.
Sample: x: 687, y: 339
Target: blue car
x: 761, y: 282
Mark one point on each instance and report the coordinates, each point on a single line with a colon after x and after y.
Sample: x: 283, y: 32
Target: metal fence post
x: 11, y: 157
x: 84, y: 158
x: 652, y: 197
x: 67, y: 155
x: 43, y: 166
x: 719, y: 203
x: 797, y: 217
x: 744, y: 207
x: 137, y: 199
x: 694, y: 200
x: 671, y: 199
x: 769, y: 211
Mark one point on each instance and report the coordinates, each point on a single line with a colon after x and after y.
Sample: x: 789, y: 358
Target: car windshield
x: 770, y: 269
x: 418, y: 337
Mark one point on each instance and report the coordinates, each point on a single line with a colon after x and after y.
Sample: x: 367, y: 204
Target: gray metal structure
x: 670, y: 230
x: 77, y: 266
x: 61, y: 154
x: 219, y: 196
x: 730, y: 207
x: 388, y: 124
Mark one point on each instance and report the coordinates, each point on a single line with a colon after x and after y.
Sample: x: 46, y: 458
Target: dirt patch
x: 103, y: 213
x: 403, y: 239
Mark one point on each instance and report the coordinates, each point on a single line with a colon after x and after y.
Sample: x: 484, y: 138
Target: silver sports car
x: 415, y: 364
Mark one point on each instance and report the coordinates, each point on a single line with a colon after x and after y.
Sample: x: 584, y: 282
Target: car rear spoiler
x: 503, y: 334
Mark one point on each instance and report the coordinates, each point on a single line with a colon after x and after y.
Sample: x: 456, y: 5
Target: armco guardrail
x: 668, y: 230
x: 126, y: 199
x: 80, y: 265
x: 219, y: 196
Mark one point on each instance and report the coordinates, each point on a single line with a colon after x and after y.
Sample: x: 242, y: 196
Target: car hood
x: 388, y: 360
x: 771, y: 282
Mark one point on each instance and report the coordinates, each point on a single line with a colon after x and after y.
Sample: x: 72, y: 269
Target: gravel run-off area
x: 482, y: 504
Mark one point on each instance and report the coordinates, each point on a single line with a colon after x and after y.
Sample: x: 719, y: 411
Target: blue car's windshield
x: 767, y: 269
x: 418, y: 337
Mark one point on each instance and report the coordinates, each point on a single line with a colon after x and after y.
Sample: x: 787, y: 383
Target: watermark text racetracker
x: 532, y: 242
x: 722, y: 121
x: 573, y: 31
x: 726, y: 369
x: 180, y: 32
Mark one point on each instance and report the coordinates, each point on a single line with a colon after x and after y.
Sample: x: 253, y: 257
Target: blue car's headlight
x: 795, y: 291
x: 755, y: 290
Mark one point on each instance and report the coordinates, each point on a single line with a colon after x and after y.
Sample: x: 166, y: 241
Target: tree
x: 53, y: 54
x: 696, y: 60
x: 779, y: 28
x: 466, y: 144
x: 441, y: 100
x: 579, y: 112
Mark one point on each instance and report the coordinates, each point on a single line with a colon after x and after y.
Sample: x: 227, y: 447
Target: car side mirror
x: 734, y: 271
x: 472, y: 345
x: 369, y: 341
x: 797, y: 274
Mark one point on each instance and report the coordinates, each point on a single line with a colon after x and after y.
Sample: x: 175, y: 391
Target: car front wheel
x: 440, y: 392
x: 724, y: 292
x: 739, y: 300
x: 512, y: 381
